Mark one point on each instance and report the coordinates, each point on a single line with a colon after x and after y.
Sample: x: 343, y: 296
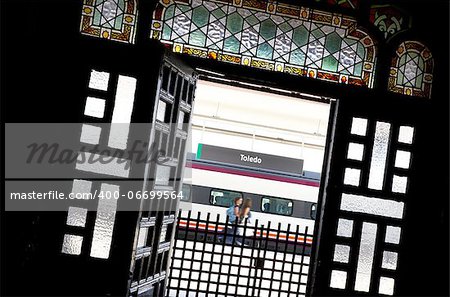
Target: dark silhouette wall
x: 42, y: 55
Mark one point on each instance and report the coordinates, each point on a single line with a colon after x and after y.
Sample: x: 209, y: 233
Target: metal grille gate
x: 212, y: 258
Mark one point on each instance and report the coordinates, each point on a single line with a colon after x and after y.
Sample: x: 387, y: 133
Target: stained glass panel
x: 353, y: 4
x: 271, y: 36
x: 109, y: 19
x: 412, y: 70
x: 389, y: 19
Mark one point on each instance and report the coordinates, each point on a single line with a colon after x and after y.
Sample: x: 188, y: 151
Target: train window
x: 277, y: 205
x: 186, y: 192
x: 313, y: 211
x: 223, y: 197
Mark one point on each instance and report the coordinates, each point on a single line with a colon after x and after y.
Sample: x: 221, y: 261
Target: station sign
x: 250, y: 159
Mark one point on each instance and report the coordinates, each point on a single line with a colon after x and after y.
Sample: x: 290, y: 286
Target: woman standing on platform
x: 245, y: 213
x: 233, y: 214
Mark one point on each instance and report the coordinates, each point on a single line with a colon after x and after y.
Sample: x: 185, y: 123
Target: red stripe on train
x: 272, y: 235
x: 253, y: 174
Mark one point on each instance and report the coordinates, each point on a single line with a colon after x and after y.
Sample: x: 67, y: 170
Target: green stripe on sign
x: 199, y: 150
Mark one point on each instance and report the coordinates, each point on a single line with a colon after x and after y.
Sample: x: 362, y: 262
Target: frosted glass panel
x: 315, y: 51
x: 123, y: 108
x: 405, y: 134
x: 72, y: 244
x: 104, y: 224
x: 338, y: 279
x: 99, y: 80
x: 355, y: 151
x: 181, y: 25
x: 359, y: 126
x: 90, y: 134
x: 399, y: 184
x: 365, y: 257
x: 162, y: 175
x: 352, y: 176
x: 80, y: 187
x: 341, y: 253
x: 181, y: 120
x: 393, y: 234
x: 142, y: 237
x: 109, y: 10
x: 76, y: 216
x: 162, y: 237
x: 379, y: 154
x: 115, y: 166
x: 160, y: 115
x: 386, y: 286
x: 345, y: 228
x: 389, y: 260
x: 373, y: 206
x: 410, y: 71
x: 402, y: 159
x: 216, y: 31
x: 283, y: 44
x: 347, y: 57
x: 95, y: 107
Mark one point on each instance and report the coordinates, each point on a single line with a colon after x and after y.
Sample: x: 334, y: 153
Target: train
x: 283, y: 200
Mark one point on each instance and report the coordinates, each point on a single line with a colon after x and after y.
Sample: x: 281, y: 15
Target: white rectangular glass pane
x: 386, y: 286
x: 99, y: 80
x: 181, y: 120
x: 406, y: 134
x: 162, y: 175
x: 341, y: 253
x: 365, y: 257
x: 345, y: 228
x: 399, y: 184
x: 359, y: 126
x: 402, y: 159
x: 352, y: 176
x: 146, y: 290
x: 389, y: 260
x: 161, y: 113
x: 104, y: 223
x: 162, y: 236
x: 373, y: 206
x: 95, y: 107
x: 123, y: 108
x: 118, y: 135
x: 181, y: 117
x: 90, y: 134
x: 338, y: 279
x: 392, y: 234
x: 72, y: 244
x: 114, y: 166
x: 142, y: 237
x: 80, y: 187
x: 355, y: 151
x: 76, y: 216
x: 379, y: 155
